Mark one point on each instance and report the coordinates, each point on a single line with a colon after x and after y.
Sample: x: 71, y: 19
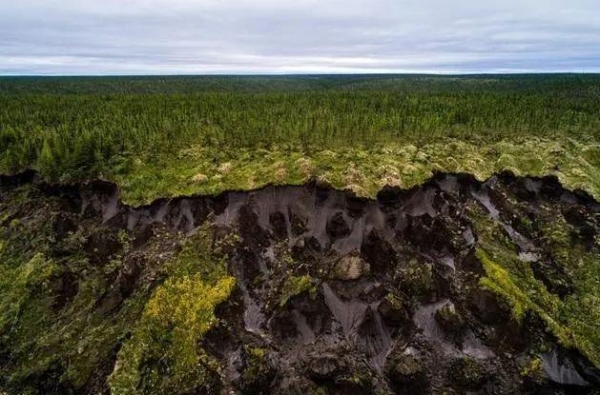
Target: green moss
x: 27, y: 279
x: 573, y: 319
x: 467, y: 372
x: 363, y: 170
x: 395, y: 301
x: 257, y: 371
x: 46, y: 333
x: 162, y: 356
x: 523, y: 292
x: 295, y: 285
x: 534, y: 369
x: 40, y: 334
x: 415, y: 278
x: 28, y: 283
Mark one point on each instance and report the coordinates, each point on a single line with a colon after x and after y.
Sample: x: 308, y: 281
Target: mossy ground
x: 54, y: 286
x: 572, y: 318
x: 295, y: 285
x: 38, y: 333
x: 364, y: 170
x: 175, y: 318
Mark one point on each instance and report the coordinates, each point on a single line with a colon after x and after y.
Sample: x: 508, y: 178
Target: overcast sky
x: 297, y: 36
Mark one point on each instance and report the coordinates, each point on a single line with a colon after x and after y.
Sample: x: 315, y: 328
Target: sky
x: 97, y: 37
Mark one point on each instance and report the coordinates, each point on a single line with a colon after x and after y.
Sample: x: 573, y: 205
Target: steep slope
x: 449, y: 287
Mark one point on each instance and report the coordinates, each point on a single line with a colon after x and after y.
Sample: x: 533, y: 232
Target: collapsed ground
x: 452, y: 286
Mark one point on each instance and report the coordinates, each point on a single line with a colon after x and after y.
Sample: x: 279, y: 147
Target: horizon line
x: 284, y: 74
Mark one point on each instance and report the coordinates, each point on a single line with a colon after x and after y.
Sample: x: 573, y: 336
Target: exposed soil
x: 394, y: 305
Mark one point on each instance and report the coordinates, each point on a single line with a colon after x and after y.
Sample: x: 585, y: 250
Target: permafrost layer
x: 395, y: 304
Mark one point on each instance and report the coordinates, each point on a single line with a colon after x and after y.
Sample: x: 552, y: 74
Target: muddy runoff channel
x: 394, y: 302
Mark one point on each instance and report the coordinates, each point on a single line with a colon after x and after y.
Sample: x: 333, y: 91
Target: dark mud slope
x: 456, y: 286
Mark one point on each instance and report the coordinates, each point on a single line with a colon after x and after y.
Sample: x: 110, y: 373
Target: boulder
x: 325, y: 366
x: 393, y: 310
x: 406, y: 374
x: 351, y: 267
x: 449, y: 319
x: 467, y: 374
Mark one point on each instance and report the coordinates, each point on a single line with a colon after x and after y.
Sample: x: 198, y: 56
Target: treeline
x: 569, y: 84
x: 78, y: 135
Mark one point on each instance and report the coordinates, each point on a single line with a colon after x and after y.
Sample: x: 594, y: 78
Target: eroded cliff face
x: 455, y: 286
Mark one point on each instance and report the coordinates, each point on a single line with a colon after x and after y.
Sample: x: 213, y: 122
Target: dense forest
x: 73, y: 128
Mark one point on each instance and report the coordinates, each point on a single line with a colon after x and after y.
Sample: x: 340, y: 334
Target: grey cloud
x: 269, y: 36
